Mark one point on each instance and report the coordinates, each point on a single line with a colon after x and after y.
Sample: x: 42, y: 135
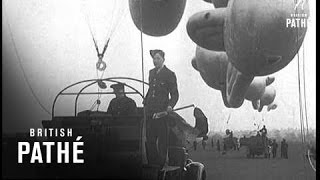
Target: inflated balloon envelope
x: 254, y: 33
x: 267, y: 97
x: 257, y: 89
x: 218, y: 3
x: 255, y: 37
x: 159, y: 17
x: 213, y: 68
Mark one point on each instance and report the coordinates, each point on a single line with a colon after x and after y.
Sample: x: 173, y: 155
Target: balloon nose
x: 206, y: 29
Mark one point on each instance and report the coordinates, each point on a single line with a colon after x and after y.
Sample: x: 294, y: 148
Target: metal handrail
x: 111, y: 79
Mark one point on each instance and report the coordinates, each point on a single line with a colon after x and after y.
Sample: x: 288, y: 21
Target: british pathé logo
x: 61, y: 149
x: 300, y: 2
x: 297, y: 20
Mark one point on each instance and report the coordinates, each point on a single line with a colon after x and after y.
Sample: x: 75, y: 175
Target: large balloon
x: 268, y: 97
x: 256, y: 38
x: 257, y: 88
x: 255, y: 35
x: 212, y: 67
x: 206, y: 29
x: 218, y: 73
x: 159, y: 17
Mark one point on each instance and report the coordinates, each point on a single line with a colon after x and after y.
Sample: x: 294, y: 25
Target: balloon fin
x: 256, y: 104
x: 269, y: 80
x: 237, y: 86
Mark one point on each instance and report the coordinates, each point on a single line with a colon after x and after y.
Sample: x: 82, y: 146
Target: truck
x: 115, y: 146
x: 256, y: 146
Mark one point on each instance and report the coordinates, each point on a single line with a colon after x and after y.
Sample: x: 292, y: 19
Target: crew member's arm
x: 110, y: 110
x: 132, y: 107
x: 173, y: 90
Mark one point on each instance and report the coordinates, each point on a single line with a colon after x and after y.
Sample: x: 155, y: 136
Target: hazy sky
x: 56, y: 49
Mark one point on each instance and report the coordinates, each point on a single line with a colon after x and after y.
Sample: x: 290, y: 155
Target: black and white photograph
x: 159, y: 89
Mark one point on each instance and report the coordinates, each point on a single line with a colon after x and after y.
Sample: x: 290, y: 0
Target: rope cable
x: 101, y: 55
x: 305, y: 107
x: 304, y: 87
x: 299, y: 84
x: 143, y: 132
x: 302, y: 130
x: 300, y: 102
x: 108, y: 37
x: 21, y: 66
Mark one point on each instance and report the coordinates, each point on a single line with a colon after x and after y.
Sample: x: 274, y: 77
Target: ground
x: 234, y: 165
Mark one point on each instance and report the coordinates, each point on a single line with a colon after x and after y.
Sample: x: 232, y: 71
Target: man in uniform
x: 285, y: 149
x: 121, y: 105
x: 212, y: 143
x: 263, y: 132
x: 274, y: 148
x: 218, y: 145
x: 281, y: 149
x: 204, y: 143
x: 162, y: 96
x: 195, y: 145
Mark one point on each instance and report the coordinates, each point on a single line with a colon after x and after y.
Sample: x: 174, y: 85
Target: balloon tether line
x: 21, y: 66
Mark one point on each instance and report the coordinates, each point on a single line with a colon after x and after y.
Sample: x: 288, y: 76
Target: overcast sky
x: 56, y: 49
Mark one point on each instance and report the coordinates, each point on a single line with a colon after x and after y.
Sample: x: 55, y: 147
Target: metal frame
x: 92, y: 82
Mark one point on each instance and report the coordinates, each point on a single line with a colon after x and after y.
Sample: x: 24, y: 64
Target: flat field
x: 235, y: 166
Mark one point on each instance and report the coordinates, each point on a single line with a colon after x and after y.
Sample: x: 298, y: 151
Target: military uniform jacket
x: 161, y: 85
x: 122, y: 106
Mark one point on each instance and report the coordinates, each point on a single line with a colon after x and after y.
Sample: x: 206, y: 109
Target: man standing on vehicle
x: 263, y: 132
x: 162, y: 96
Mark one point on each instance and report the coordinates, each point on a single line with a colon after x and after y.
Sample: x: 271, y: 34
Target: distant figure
x: 195, y: 145
x: 269, y: 151
x: 284, y: 149
x: 121, y: 104
x: 263, y: 132
x: 274, y: 148
x: 212, y: 143
x: 224, y: 147
x: 258, y: 134
x: 238, y: 144
x: 218, y: 145
x: 231, y: 134
x: 281, y: 149
x: 204, y: 143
